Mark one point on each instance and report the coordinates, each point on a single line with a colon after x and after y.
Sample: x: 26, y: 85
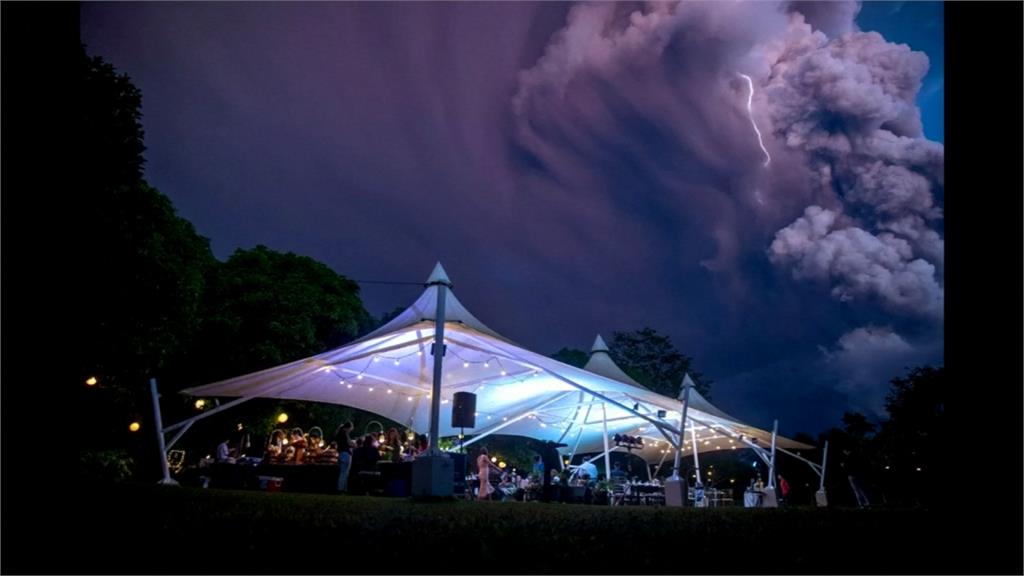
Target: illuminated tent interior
x: 518, y: 392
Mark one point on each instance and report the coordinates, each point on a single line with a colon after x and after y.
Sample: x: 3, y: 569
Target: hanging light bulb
x: 359, y: 377
x: 376, y: 358
x: 91, y: 381
x: 465, y: 364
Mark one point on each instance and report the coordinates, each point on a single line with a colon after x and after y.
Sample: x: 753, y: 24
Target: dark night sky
x: 580, y: 169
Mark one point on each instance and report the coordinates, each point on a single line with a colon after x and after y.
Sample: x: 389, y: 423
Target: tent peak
x: 439, y: 276
x: 599, y: 345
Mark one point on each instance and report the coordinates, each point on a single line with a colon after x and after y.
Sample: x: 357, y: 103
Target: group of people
x: 358, y: 454
x: 297, y: 447
x: 511, y: 484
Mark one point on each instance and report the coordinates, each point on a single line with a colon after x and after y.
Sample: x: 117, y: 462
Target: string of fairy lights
x: 364, y: 378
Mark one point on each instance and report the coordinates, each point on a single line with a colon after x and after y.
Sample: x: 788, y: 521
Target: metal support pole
x: 682, y: 427
x: 661, y: 463
x: 177, y: 436
x: 820, y: 498
x: 158, y: 425
x: 698, y: 486
x: 824, y: 460
x: 435, y: 399
x: 771, y: 464
x: 607, y: 458
x: 208, y: 413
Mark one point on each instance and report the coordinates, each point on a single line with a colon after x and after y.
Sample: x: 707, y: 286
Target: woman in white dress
x: 483, y: 466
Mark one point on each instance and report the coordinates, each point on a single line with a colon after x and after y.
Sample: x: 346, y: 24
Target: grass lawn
x: 144, y: 529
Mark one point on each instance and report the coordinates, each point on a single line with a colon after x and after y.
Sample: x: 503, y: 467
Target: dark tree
x: 653, y: 360
x: 135, y: 304
x: 389, y: 316
x: 263, y: 308
x: 572, y: 357
x: 911, y: 443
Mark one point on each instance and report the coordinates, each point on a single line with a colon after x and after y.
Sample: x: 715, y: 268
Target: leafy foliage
x: 572, y: 356
x: 263, y: 308
x: 653, y: 360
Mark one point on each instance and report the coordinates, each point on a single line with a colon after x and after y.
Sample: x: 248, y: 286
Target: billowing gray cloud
x: 577, y: 168
x: 657, y: 92
x: 834, y: 18
x: 860, y: 263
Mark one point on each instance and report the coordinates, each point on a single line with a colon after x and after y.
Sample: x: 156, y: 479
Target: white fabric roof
x: 519, y: 392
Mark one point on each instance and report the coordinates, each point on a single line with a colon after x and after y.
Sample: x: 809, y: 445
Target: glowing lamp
x: 200, y: 404
x: 282, y: 418
x: 501, y: 465
x: 91, y: 381
x: 134, y: 426
x: 381, y: 439
x: 494, y: 458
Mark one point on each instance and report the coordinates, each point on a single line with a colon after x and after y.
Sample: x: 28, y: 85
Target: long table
x: 385, y: 478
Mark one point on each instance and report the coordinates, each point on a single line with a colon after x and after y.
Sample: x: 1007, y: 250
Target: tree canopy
x: 652, y: 359
x: 263, y: 308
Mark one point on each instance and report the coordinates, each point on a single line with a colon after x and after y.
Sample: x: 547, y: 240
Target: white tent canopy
x: 519, y: 392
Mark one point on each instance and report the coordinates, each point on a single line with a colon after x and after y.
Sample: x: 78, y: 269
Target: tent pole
x: 682, y: 427
x: 158, y: 427
x: 206, y: 414
x: 438, y: 351
x: 824, y: 460
x: 661, y: 463
x: 696, y: 460
x: 178, y: 436
x: 579, y: 435
x: 607, y: 458
x: 574, y: 416
x: 770, y: 499
x: 820, y: 498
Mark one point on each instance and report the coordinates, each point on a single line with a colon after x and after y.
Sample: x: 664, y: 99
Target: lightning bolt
x: 750, y: 112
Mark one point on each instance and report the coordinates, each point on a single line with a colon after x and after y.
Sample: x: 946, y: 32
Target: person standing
x: 393, y: 446
x: 345, y: 444
x: 538, y: 467
x: 483, y: 466
x: 783, y: 488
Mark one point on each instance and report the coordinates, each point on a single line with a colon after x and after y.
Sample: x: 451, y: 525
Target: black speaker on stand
x: 463, y: 410
x: 463, y: 416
